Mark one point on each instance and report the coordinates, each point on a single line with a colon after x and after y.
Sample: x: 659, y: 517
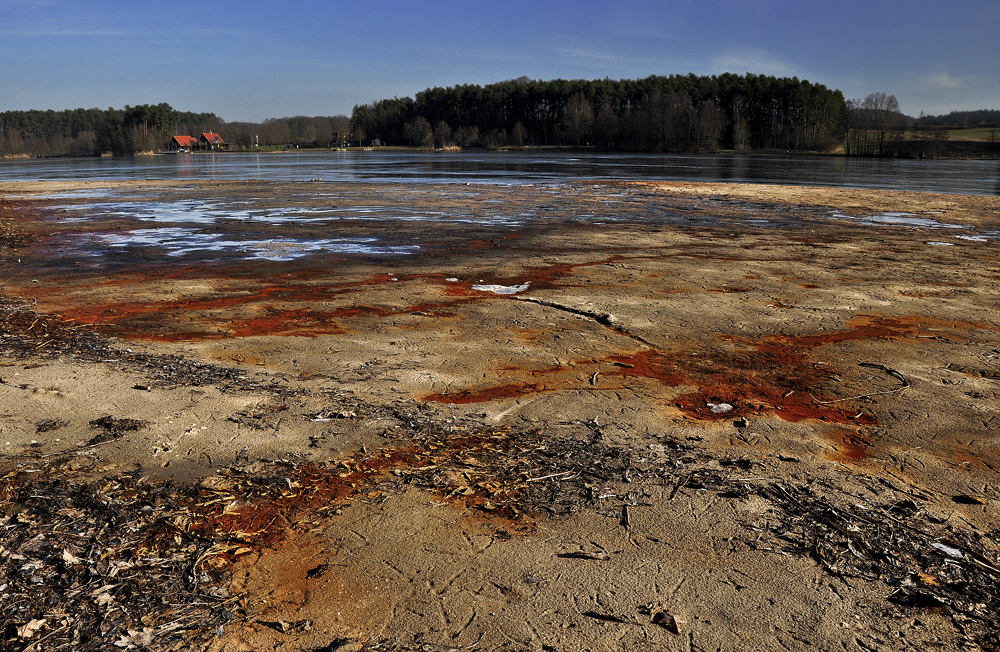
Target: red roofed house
x: 212, y: 141
x: 186, y: 143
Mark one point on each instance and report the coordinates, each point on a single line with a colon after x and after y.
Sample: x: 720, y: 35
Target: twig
x: 680, y: 483
x: 554, y: 475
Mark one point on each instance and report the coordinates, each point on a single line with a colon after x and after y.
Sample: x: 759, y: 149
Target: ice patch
x: 501, y: 289
x: 179, y: 241
x: 898, y: 219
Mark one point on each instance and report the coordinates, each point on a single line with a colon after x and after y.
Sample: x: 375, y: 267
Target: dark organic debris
x: 260, y: 417
x: 112, y: 428
x: 668, y: 621
x: 82, y: 567
x: 600, y: 556
x: 968, y: 500
x: 48, y: 425
x: 26, y: 333
x: 930, y: 562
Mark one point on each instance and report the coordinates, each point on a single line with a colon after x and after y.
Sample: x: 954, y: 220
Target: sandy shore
x: 589, y: 416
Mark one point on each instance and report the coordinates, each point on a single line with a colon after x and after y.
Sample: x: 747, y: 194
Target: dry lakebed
x: 252, y: 415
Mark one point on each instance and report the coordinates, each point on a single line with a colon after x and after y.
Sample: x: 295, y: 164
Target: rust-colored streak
x: 851, y: 446
x: 510, y: 390
x: 771, y: 375
x: 243, y: 313
x: 752, y: 382
x: 266, y: 522
x: 238, y: 308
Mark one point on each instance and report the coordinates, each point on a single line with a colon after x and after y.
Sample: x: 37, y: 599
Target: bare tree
x: 442, y: 134
x: 606, y: 126
x: 518, y: 135
x: 419, y: 132
x: 711, y: 122
x: 874, y: 123
x: 741, y: 129
x: 579, y: 118
x: 467, y: 136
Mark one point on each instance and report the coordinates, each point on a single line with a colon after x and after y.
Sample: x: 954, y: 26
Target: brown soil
x: 719, y: 417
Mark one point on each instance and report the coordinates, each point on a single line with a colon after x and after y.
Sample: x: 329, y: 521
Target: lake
x: 951, y: 176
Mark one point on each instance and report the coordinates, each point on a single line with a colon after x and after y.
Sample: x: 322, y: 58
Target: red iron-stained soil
x: 249, y: 522
x: 772, y: 375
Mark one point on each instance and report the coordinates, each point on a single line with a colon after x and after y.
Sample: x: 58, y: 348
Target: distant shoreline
x: 972, y: 151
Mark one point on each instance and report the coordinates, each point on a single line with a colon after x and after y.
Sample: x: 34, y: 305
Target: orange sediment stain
x: 243, y: 305
x: 851, y: 446
x: 770, y: 375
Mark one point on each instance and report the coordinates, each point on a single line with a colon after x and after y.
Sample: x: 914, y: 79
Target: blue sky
x: 252, y: 60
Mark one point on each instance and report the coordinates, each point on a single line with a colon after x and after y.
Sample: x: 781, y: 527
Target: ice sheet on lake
x: 179, y: 241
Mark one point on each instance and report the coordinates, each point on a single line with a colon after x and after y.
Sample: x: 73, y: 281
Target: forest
x: 981, y: 118
x: 148, y: 128
x: 678, y: 113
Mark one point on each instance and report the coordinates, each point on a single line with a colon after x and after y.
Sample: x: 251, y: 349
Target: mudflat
x: 574, y: 416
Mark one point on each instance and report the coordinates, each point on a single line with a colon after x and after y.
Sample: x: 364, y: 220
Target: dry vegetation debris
x: 26, y: 333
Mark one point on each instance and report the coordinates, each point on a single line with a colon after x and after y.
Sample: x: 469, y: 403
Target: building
x: 182, y: 144
x: 212, y: 141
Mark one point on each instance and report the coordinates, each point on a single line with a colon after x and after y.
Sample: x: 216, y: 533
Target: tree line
x: 980, y: 118
x: 877, y: 128
x: 149, y: 128
x: 84, y: 132
x: 676, y: 113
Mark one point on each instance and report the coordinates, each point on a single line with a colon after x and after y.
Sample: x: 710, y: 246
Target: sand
x: 834, y: 341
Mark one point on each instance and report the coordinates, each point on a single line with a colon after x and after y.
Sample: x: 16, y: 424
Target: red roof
x: 186, y: 141
x: 213, y: 138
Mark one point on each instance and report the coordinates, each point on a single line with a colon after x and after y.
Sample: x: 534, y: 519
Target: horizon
x: 248, y: 62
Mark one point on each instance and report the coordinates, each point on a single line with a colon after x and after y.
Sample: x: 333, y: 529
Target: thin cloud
x: 60, y: 32
x: 755, y: 61
x: 943, y: 80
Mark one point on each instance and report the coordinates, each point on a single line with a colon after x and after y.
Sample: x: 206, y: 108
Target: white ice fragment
x: 452, y: 280
x: 501, y: 289
x: 720, y: 408
x: 948, y: 550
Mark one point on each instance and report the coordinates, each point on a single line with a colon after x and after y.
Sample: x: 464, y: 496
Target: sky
x: 252, y: 60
